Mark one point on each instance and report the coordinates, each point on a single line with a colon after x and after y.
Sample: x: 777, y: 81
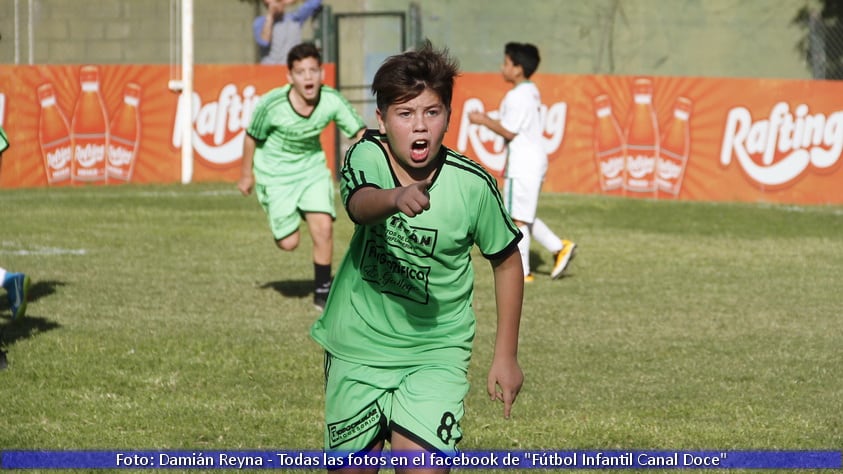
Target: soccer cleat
x: 319, y: 301
x: 529, y: 278
x: 320, y: 296
x: 17, y: 284
x: 563, y: 258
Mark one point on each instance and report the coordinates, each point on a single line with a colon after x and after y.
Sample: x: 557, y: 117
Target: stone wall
x: 730, y: 38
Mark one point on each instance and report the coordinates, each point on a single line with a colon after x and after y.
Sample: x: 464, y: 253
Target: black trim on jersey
x: 258, y: 119
x: 302, y: 213
x: 472, y: 166
x: 351, y: 193
x: 357, y: 178
x: 356, y: 132
x: 327, y: 367
x: 445, y: 156
x: 508, y: 250
x: 370, y: 135
x: 318, y: 100
x: 375, y: 137
x: 467, y: 164
x: 395, y: 427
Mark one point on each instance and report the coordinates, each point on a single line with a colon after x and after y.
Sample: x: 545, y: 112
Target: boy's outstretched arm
x: 505, y: 376
x: 372, y: 205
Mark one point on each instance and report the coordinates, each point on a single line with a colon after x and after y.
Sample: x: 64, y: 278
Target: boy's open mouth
x: 419, y: 150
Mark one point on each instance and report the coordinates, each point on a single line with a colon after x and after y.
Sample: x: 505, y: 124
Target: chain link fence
x: 822, y: 44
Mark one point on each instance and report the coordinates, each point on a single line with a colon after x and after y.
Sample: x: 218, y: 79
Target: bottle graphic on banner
x: 124, y: 135
x: 53, y: 136
x: 90, y: 129
x: 608, y: 146
x: 675, y: 148
x: 642, y: 139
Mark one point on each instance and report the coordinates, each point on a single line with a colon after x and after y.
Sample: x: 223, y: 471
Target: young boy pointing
x: 399, y: 324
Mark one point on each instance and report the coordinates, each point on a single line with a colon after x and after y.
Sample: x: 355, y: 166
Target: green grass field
x: 163, y: 317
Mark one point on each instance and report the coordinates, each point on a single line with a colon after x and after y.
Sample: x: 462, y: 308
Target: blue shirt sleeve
x: 306, y: 11
x: 257, y: 26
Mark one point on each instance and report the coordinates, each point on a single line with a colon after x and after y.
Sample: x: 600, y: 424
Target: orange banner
x: 674, y: 137
x: 112, y: 124
x: 687, y: 138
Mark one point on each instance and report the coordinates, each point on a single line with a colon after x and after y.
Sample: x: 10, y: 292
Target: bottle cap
x: 45, y: 91
x: 89, y: 74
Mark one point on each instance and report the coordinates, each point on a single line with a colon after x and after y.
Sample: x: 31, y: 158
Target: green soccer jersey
x: 4, y: 142
x: 403, y: 292
x: 288, y: 148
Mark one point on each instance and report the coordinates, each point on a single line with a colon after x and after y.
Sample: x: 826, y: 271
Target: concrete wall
x: 731, y: 38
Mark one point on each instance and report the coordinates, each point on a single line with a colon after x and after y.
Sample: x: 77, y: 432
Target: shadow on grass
x: 545, y: 261
x: 29, y: 325
x: 291, y: 288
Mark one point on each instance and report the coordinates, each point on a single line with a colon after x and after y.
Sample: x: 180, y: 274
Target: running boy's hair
x: 525, y: 55
x: 405, y: 76
x: 301, y: 51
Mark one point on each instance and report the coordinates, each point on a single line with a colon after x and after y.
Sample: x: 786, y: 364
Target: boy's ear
x: 379, y: 116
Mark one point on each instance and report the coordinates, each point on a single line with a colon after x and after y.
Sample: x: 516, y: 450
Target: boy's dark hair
x: 301, y: 51
x: 405, y: 76
x: 525, y: 55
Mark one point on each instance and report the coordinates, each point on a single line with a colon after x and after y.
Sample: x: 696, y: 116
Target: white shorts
x: 521, y: 197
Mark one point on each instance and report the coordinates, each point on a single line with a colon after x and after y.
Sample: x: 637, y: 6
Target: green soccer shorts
x: 364, y: 405
x: 284, y: 204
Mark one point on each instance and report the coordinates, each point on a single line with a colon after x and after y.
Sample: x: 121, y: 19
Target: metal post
x: 187, y: 91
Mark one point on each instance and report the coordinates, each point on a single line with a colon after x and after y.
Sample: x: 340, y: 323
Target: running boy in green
x: 399, y: 324
x: 284, y: 162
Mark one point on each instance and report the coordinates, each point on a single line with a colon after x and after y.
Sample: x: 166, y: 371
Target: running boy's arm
x: 247, y: 176
x: 505, y: 376
x: 371, y: 205
x: 479, y: 118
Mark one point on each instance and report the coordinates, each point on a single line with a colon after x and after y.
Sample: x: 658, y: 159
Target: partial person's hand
x: 413, y: 199
x: 504, y: 382
x: 245, y: 184
x: 276, y: 7
x: 477, y: 118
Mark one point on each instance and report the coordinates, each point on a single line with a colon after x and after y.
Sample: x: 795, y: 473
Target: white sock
x: 524, y: 248
x: 545, y: 236
x: 2, y: 276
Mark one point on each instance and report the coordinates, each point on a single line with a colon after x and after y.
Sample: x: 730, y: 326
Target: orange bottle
x: 675, y: 148
x: 89, y: 128
x: 642, y: 140
x: 124, y: 135
x: 608, y: 146
x: 53, y: 136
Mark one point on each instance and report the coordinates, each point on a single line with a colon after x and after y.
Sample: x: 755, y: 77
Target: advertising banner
x: 754, y: 140
x: 690, y: 138
x: 113, y: 124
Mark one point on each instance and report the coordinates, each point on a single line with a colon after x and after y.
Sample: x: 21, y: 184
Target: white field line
x: 38, y: 250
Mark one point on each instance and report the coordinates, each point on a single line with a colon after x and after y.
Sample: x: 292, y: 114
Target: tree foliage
x: 822, y: 43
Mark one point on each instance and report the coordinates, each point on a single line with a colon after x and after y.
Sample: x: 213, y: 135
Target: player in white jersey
x: 526, y: 165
